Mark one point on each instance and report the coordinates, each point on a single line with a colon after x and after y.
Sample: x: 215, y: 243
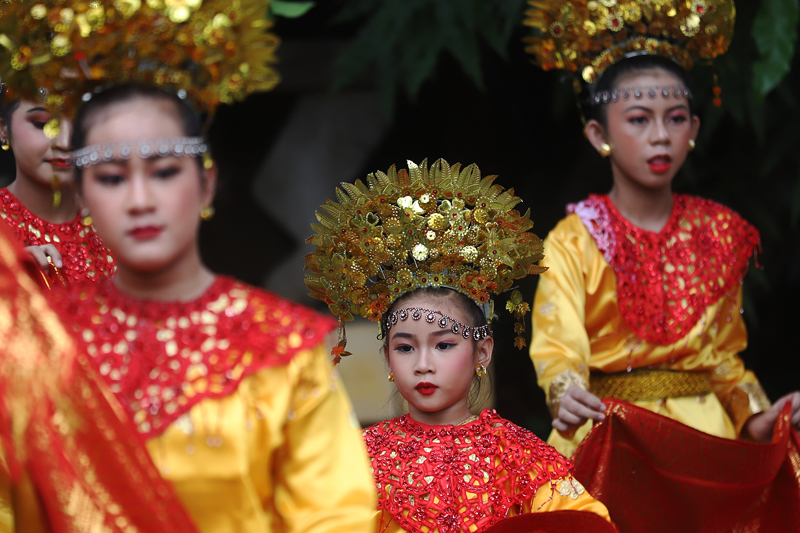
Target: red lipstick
x: 144, y: 233
x: 61, y: 163
x: 660, y: 163
x: 426, y: 388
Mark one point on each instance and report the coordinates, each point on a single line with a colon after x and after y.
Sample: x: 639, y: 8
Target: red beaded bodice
x: 666, y: 280
x: 458, y: 478
x: 82, y: 252
x: 162, y: 358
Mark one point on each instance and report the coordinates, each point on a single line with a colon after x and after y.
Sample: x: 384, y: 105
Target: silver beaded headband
x: 476, y: 333
x: 144, y: 148
x: 625, y: 93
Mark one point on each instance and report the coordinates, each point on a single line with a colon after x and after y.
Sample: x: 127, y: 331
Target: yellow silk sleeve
x: 738, y: 389
x: 282, y: 454
x: 560, y: 348
x: 568, y: 495
x: 324, y: 482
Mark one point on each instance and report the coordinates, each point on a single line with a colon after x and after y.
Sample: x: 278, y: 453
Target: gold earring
x: 4, y: 144
x: 605, y: 149
x: 56, y: 185
x: 692, y: 144
x: 391, y: 376
x: 480, y: 371
x: 207, y: 213
x: 87, y: 218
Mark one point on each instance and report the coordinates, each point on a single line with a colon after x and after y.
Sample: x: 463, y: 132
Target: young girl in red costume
x: 419, y: 251
x: 40, y: 205
x: 642, y: 298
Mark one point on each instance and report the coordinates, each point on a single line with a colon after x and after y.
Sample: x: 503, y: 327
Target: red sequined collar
x: 666, y: 280
x: 458, y: 478
x: 162, y: 358
x: 83, y: 253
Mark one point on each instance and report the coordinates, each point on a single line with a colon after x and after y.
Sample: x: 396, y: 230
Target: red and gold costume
x: 650, y: 318
x: 449, y: 479
x: 83, y: 254
x: 233, y: 396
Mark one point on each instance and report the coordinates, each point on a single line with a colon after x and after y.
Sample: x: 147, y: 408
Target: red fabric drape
x: 75, y: 458
x: 554, y: 522
x: 657, y: 475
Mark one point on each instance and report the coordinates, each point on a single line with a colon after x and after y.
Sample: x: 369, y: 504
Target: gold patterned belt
x: 649, y: 384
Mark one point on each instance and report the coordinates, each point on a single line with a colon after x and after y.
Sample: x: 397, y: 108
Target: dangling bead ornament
x: 391, y: 376
x: 86, y: 217
x: 207, y: 213
x: 56, y: 185
x: 4, y: 144
x: 717, y: 91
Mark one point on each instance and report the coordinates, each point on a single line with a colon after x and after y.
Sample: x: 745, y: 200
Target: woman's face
x: 432, y: 366
x: 649, y: 138
x: 38, y: 157
x: 147, y: 211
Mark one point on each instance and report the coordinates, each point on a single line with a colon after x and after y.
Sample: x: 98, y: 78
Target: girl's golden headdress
x: 588, y: 36
x: 401, y: 230
x: 213, y: 51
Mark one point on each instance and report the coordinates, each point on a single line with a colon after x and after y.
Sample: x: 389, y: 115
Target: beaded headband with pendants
x: 587, y: 37
x: 212, y: 51
x: 443, y: 226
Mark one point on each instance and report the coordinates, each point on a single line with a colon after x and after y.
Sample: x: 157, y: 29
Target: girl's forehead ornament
x: 443, y: 226
x: 144, y: 148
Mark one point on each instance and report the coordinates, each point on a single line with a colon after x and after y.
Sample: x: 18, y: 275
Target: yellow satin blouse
x: 281, y: 454
x: 578, y: 328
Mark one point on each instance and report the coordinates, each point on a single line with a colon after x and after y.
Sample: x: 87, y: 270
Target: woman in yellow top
x: 419, y: 250
x: 228, y: 387
x: 642, y: 297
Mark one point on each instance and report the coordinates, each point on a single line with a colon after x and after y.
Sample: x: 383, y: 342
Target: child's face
x: 649, y: 137
x: 38, y: 157
x: 433, y: 367
x: 147, y: 211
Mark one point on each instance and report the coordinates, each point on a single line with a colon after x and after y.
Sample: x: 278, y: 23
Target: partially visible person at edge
x: 440, y: 468
x: 642, y: 298
x: 40, y: 205
x: 229, y: 387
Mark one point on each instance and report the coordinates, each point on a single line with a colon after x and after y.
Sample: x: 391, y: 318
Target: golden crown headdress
x: 438, y: 226
x: 213, y: 51
x: 588, y: 36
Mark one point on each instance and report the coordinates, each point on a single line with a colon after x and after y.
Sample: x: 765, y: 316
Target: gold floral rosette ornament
x: 587, y: 37
x: 443, y: 226
x: 212, y: 51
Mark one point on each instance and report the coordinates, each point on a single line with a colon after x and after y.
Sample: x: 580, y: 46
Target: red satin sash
x: 75, y: 459
x: 657, y: 475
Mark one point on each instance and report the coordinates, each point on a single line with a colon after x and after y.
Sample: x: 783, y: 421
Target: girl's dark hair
x: 608, y: 80
x: 475, y: 318
x: 85, y: 117
x: 7, y: 108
